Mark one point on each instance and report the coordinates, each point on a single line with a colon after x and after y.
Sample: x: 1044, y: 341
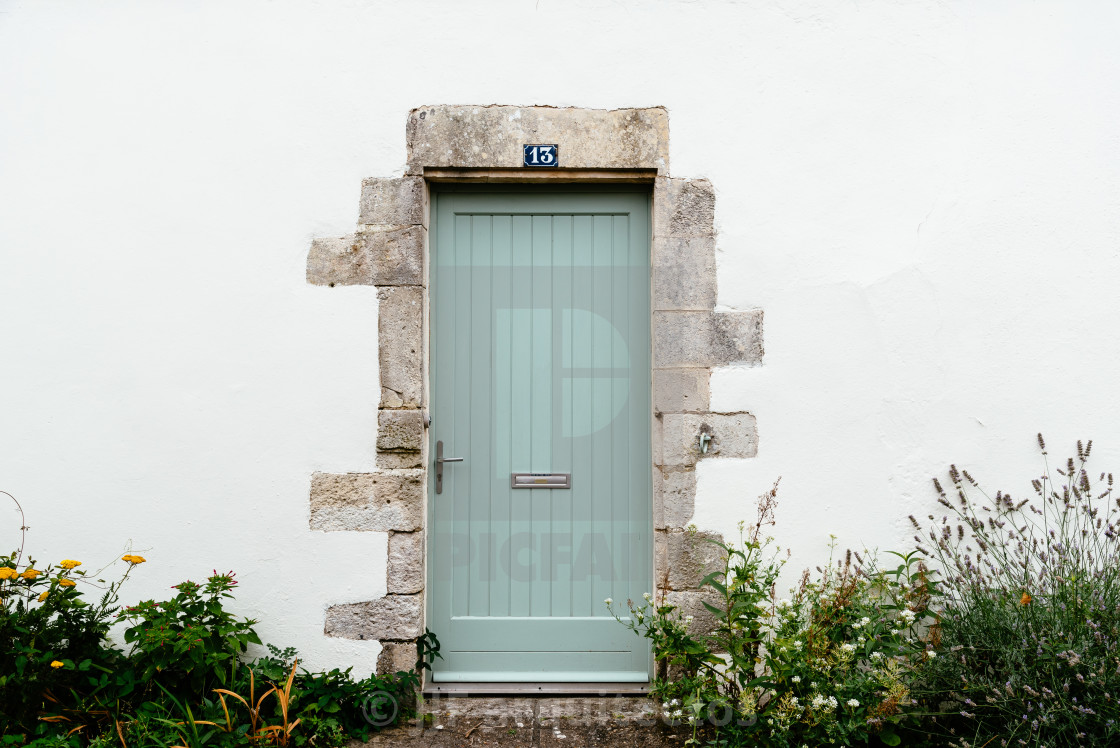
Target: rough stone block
x: 684, y: 273
x: 691, y: 557
x: 400, y: 430
x: 732, y: 435
x: 337, y: 261
x: 400, y: 344
x: 691, y: 603
x: 390, y: 617
x: 391, y: 257
x: 406, y: 562
x: 396, y: 255
x: 396, y: 657
x: 489, y: 720
x: 400, y: 460
x: 703, y: 339
x: 367, y: 501
x: 661, y: 559
x: 674, y: 497
x: 681, y: 390
x: 492, y: 137
x: 684, y: 207
x: 395, y: 202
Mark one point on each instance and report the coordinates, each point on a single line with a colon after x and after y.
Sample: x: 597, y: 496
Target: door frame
x: 467, y: 183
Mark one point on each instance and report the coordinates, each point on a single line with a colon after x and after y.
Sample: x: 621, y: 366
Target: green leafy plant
x: 828, y: 665
x: 427, y: 651
x: 1029, y: 620
x: 51, y: 639
x: 189, y: 644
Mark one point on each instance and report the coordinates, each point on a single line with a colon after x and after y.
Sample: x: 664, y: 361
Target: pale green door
x: 539, y: 365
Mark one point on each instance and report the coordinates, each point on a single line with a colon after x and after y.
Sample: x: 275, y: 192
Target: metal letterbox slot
x: 540, y: 480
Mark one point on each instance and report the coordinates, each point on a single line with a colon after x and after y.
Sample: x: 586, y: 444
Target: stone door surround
x: 389, y: 250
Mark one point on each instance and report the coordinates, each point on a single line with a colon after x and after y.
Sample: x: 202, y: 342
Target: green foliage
x: 51, y: 639
x: 183, y: 681
x: 829, y: 665
x: 190, y: 643
x: 1030, y: 615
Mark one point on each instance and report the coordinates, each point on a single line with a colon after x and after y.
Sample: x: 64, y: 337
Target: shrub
x: 828, y: 665
x: 63, y: 684
x: 1030, y: 618
x: 51, y: 640
x: 189, y: 644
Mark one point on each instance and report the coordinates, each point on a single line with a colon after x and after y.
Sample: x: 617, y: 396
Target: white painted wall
x: 923, y: 196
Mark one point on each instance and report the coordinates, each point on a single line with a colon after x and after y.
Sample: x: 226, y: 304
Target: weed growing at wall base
x: 830, y: 664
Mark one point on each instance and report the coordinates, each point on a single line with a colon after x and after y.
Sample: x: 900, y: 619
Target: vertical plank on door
x: 457, y: 475
x: 541, y: 436
x: 582, y: 408
x: 620, y: 385
x: 559, y: 556
x: 500, y: 516
x: 597, y: 552
x: 521, y: 517
x: 479, y: 407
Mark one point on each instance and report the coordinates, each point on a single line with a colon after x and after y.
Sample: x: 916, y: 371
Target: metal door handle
x: 440, y: 459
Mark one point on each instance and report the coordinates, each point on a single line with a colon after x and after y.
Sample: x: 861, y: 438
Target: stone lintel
x: 706, y: 339
x: 396, y: 202
x: 367, y: 501
x: 399, y: 342
x: 491, y: 137
x: 390, y: 617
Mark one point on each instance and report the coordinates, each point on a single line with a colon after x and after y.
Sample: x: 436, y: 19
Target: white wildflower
x: 608, y: 601
x: 853, y: 703
x: 848, y: 647
x: 931, y: 654
x: 796, y: 679
x: 647, y: 596
x: 876, y: 655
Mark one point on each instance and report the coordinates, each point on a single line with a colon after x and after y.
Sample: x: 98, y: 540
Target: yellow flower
x: 133, y: 559
x: 1025, y: 599
x: 67, y: 583
x: 30, y: 573
x: 7, y: 572
x: 69, y: 564
x: 57, y: 664
x: 43, y: 596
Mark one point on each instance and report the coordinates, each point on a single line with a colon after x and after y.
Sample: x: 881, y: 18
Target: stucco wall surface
x: 923, y: 197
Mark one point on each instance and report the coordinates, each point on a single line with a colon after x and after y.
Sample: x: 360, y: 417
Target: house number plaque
x: 547, y: 156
